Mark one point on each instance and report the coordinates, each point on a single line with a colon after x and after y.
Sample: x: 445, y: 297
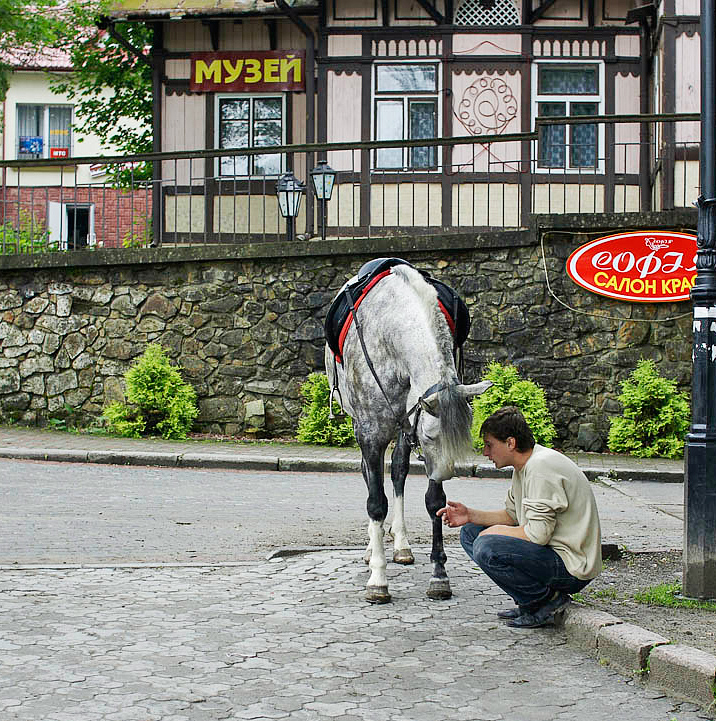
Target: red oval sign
x: 645, y: 266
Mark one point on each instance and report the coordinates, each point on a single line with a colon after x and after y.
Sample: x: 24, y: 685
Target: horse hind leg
x: 399, y: 467
x: 435, y: 499
x: 372, y: 466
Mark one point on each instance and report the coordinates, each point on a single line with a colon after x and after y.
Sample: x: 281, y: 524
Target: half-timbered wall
x: 486, y: 84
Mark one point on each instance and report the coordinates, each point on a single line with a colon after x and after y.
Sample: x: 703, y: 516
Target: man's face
x: 499, y: 452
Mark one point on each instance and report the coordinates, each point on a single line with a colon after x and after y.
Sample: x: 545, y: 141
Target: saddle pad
x: 340, y: 318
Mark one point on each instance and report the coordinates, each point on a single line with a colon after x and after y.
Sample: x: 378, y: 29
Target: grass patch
x: 669, y: 595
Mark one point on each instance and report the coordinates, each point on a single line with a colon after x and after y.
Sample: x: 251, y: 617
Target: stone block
x: 684, y: 671
x: 255, y: 414
x: 582, y: 625
x: 627, y: 647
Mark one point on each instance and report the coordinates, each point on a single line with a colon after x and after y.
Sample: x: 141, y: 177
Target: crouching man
x: 546, y: 542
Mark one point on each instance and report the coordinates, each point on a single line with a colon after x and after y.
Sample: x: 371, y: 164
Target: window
x: 479, y: 12
x: 406, y: 108
x: 44, y: 131
x: 250, y: 122
x: 568, y: 90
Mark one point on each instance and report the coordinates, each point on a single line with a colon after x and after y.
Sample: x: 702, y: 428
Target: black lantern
x: 323, y: 177
x: 289, y: 190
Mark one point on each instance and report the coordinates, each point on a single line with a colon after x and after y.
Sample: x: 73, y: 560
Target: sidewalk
x: 683, y: 671
x: 16, y: 442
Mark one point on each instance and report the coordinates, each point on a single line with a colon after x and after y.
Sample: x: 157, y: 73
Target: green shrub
x: 511, y: 390
x: 314, y: 425
x: 655, y: 418
x: 28, y: 235
x: 160, y: 402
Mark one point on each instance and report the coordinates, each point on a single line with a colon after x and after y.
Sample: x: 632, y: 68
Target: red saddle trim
x: 349, y: 320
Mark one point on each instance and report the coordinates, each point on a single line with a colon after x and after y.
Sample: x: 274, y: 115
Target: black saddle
x: 450, y: 302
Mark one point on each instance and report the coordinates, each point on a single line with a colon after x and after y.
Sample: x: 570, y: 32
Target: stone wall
x: 245, y: 324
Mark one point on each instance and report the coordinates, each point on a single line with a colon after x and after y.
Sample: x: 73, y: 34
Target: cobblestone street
x: 290, y: 638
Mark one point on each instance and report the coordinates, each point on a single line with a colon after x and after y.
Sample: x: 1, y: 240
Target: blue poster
x: 30, y: 144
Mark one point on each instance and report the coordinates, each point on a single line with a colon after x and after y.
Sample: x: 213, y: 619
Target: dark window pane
x: 30, y: 131
x: 406, y: 78
x: 234, y: 135
x: 233, y: 109
x: 423, y: 121
x: 551, y: 137
x: 269, y: 108
x: 267, y: 164
x: 267, y: 132
x: 561, y: 80
x: 60, y: 121
x: 583, y: 138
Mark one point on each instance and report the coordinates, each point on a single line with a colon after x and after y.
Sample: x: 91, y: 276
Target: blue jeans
x: 528, y: 572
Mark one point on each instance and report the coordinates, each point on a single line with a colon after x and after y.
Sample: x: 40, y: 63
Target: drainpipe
x: 310, y: 102
x: 642, y: 15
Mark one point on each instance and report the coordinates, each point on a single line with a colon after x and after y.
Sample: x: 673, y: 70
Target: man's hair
x: 508, y: 422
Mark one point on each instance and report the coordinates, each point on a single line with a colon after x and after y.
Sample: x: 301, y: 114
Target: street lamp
x: 289, y: 190
x: 323, y: 177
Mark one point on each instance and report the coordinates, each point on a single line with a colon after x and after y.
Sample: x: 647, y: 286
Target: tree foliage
x: 33, y: 26
x: 111, y: 87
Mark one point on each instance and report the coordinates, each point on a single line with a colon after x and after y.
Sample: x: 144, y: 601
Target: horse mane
x: 428, y: 299
x: 455, y: 411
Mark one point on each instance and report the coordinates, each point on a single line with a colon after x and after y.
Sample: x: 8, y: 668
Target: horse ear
x: 476, y: 389
x: 430, y: 404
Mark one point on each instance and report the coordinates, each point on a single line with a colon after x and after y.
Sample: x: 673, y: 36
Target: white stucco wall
x: 33, y: 87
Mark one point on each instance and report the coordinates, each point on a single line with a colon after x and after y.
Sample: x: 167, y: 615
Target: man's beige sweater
x: 554, y: 502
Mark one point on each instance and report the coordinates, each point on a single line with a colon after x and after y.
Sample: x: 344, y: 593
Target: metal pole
x: 700, y: 461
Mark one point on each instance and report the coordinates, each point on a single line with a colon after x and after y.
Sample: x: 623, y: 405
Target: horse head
x: 443, y: 427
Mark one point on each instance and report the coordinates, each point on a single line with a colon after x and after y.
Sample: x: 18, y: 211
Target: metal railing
x: 426, y: 186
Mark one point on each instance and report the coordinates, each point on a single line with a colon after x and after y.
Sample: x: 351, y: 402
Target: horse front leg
x: 435, y: 499
x: 399, y: 467
x: 372, y: 465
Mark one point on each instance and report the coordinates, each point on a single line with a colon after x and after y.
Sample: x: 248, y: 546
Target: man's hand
x: 454, y: 514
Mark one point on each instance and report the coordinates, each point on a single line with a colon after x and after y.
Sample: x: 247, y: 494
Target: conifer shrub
x: 314, y: 425
x: 655, y: 418
x: 159, y: 401
x: 510, y: 389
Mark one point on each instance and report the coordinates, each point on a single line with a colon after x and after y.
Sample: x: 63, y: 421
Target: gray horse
x: 414, y: 394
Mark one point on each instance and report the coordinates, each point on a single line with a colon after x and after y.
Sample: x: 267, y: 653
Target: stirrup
x: 331, y: 414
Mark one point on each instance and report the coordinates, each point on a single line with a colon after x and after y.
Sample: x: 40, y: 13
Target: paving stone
x: 276, y: 640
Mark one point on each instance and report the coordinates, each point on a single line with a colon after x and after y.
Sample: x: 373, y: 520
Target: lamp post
x: 699, y: 482
x: 289, y: 190
x: 323, y: 177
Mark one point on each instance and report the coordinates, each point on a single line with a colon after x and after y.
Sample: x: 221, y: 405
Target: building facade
x: 238, y: 75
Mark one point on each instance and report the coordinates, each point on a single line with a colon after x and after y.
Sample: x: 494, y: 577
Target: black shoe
x: 510, y: 613
x: 544, y: 615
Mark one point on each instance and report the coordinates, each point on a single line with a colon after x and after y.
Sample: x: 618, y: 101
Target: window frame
x: 46, y: 107
x: 217, y: 134
x: 406, y: 97
x: 568, y: 98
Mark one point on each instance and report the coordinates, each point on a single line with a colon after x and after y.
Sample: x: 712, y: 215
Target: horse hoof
x: 404, y: 556
x: 377, y: 594
x: 439, y: 590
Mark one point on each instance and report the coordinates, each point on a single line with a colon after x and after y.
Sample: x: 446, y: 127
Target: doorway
x: 71, y: 225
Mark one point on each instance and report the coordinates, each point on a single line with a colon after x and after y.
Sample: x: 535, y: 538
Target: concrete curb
x: 682, y: 671
x: 249, y: 462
